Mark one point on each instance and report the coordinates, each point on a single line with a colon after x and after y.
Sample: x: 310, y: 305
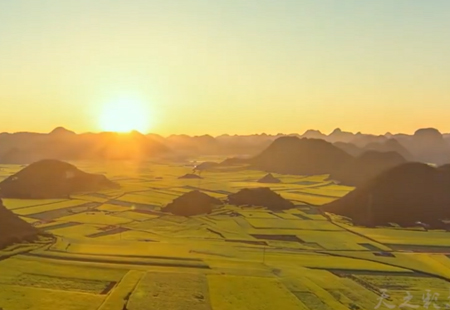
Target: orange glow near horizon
x: 125, y: 116
x: 213, y: 67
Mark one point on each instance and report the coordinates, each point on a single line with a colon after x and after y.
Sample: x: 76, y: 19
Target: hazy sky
x: 228, y: 66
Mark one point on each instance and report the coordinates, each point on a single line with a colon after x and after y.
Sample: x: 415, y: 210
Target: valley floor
x: 116, y: 250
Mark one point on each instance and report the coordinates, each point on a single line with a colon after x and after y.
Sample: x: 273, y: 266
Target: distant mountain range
x: 425, y: 145
x: 310, y: 156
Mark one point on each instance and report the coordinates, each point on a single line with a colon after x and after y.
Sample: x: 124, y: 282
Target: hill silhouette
x: 428, y: 145
x: 302, y: 156
x: 390, y: 145
x: 13, y: 229
x: 405, y: 194
x: 269, y: 178
x: 349, y: 148
x: 192, y: 203
x: 47, y: 179
x: 292, y: 155
x: 314, y: 134
x: 134, y: 145
x: 361, y: 140
x: 63, y: 144
x: 339, y: 135
x: 366, y: 166
x: 234, y: 161
x: 260, y: 196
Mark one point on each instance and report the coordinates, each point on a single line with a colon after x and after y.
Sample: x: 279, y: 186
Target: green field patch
x: 59, y: 283
x: 112, y: 208
x: 287, y: 245
x: 316, y: 178
x: 14, y: 204
x: 133, y: 205
x: 237, y: 293
x: 290, y: 216
x: 58, y: 224
x: 21, y: 264
x: 170, y: 191
x: 164, y: 227
x: 292, y: 224
x: 147, y: 198
x: 16, y: 249
x: 91, y: 197
x: 14, y: 297
x: 313, y: 295
x: 67, y: 211
x: 210, y: 190
x: 310, y: 213
x: 326, y: 262
x: 157, y: 261
x: 108, y: 232
x: 119, y: 296
x: 109, y: 246
x: 135, y: 216
x: 49, y: 207
x: 133, y: 198
x: 97, y: 218
x: 157, y: 193
x: 156, y: 226
x: 258, y: 214
x: 130, y: 235
x: 405, y: 283
x: 178, y: 219
x: 274, y: 186
x: 404, y: 236
x: 170, y: 291
x: 200, y: 233
x: 300, y: 197
x: 338, y: 240
x: 77, y: 231
x: 330, y: 191
x: 413, y: 261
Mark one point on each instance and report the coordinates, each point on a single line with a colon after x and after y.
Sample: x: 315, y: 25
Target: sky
x: 225, y: 66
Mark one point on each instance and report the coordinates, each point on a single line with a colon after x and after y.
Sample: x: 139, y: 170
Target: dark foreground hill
x: 192, y: 203
x: 261, y: 196
x: 13, y: 229
x: 406, y: 194
x: 49, y: 178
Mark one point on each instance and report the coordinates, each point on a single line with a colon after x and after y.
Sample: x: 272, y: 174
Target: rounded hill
x: 366, y: 166
x: 260, y: 196
x: 405, y: 194
x: 291, y: 155
x: 192, y: 203
x: 50, y: 178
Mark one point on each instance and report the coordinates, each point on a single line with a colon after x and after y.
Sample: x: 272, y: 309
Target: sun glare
x: 125, y: 116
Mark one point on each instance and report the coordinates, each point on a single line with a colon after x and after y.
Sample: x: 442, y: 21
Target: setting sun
x: 125, y: 116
